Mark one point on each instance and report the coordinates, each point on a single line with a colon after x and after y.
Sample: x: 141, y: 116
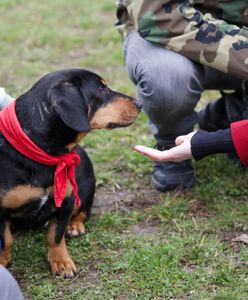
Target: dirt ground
x: 121, y: 200
x: 117, y: 199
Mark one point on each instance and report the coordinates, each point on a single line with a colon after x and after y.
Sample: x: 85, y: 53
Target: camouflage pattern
x: 211, y: 32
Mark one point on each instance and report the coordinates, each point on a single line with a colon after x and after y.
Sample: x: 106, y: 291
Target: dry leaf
x: 242, y: 238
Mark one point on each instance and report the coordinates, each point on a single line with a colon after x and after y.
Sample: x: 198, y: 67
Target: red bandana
x: 66, y: 163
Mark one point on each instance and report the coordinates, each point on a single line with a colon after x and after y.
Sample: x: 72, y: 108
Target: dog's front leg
x: 6, y: 240
x: 58, y: 256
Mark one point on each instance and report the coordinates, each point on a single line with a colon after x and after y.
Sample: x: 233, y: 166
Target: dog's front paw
x: 61, y: 265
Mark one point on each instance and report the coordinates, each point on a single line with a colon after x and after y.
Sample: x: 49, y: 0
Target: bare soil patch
x: 197, y: 208
x: 148, y: 228
x: 123, y: 199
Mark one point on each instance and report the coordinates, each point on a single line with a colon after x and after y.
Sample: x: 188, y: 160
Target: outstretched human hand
x: 181, y: 151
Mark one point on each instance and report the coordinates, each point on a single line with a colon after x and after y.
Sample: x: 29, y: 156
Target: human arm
x: 182, y: 27
x: 239, y: 132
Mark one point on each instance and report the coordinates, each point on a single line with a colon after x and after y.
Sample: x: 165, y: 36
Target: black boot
x: 228, y: 108
x: 169, y: 176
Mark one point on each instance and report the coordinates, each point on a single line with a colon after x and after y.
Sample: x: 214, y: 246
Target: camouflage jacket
x: 211, y: 32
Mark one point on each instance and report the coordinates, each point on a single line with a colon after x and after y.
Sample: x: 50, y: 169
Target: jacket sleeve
x: 2, y: 93
x: 180, y: 26
x: 204, y: 143
x: 5, y: 99
x: 239, y: 131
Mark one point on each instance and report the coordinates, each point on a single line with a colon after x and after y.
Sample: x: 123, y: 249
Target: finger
x: 154, y: 153
x: 147, y: 150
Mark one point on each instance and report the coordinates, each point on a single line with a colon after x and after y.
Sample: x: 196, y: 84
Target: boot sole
x: 185, y: 184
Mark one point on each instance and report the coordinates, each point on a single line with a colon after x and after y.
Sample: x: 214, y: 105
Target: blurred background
x: 140, y: 244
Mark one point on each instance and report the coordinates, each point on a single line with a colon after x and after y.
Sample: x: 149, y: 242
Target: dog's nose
x: 138, y: 104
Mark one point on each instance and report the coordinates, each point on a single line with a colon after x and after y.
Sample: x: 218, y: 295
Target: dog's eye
x: 102, y: 89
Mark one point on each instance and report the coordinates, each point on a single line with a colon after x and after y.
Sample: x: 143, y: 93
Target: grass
x: 140, y: 244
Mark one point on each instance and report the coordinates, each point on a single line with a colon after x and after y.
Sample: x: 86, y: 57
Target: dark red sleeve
x: 239, y: 131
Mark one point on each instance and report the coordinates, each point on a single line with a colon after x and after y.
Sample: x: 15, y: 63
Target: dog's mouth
x: 117, y: 125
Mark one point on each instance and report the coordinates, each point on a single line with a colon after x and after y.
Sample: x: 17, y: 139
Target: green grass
x: 146, y: 245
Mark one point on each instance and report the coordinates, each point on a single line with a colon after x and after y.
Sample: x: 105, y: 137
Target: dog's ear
x: 71, y: 105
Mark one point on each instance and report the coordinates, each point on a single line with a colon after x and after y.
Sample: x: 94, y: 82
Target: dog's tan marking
x: 121, y: 111
x: 20, y: 195
x: 75, y: 210
x: 68, y: 192
x: 103, y: 82
x: 79, y: 137
x: 58, y: 256
x: 50, y: 190
x: 5, y: 254
x: 76, y: 226
x: 69, y: 189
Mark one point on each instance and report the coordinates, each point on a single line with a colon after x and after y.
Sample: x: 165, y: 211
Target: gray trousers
x: 170, y: 85
x: 9, y: 288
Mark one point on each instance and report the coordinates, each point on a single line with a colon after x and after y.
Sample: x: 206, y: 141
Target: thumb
x: 179, y: 140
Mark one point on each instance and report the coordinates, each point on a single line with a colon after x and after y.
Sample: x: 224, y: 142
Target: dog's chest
x: 22, y: 195
x: 31, y: 212
x: 34, y: 207
x: 24, y: 185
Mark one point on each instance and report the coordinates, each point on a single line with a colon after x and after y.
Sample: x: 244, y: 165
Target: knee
x: 8, y: 286
x: 165, y: 81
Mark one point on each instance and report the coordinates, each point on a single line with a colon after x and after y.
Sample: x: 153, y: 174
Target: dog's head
x: 74, y: 100
x: 85, y: 102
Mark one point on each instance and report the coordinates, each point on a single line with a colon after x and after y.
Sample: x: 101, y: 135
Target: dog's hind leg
x: 76, y: 226
x: 86, y: 189
x: 6, y: 240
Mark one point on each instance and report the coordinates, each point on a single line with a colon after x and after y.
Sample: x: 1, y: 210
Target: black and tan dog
x: 56, y: 113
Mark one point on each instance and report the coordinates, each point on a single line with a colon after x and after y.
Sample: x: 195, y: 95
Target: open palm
x: 181, y: 151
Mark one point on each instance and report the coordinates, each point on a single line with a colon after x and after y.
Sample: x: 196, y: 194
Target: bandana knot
x: 72, y: 160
